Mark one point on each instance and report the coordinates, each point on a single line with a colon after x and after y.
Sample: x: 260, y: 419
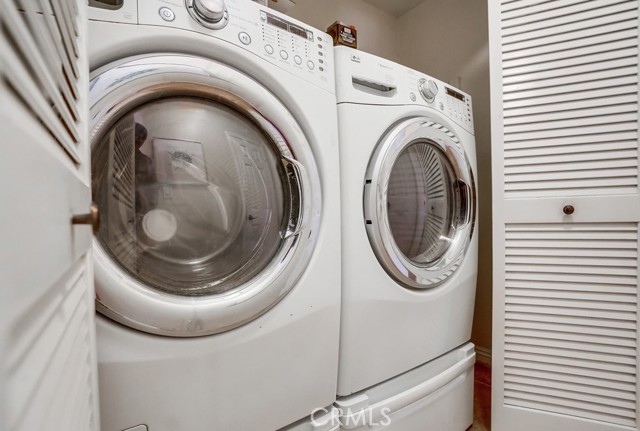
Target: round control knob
x: 428, y: 89
x: 210, y: 10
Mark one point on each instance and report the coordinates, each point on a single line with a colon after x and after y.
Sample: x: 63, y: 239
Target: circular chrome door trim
x: 397, y: 265
x: 120, y: 87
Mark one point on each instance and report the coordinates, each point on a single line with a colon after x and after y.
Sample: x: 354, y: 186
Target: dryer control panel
x: 283, y: 41
x: 367, y: 79
x: 446, y: 98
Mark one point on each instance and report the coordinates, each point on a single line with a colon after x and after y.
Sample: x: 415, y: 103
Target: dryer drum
x: 421, y: 203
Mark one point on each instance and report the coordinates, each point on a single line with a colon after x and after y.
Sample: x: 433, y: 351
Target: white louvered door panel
x: 564, y: 92
x: 47, y: 338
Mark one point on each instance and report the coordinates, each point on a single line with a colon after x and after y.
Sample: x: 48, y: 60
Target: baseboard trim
x: 483, y: 355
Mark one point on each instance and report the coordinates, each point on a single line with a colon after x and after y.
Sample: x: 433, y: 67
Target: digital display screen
x: 454, y: 94
x: 277, y: 22
x: 286, y: 26
x: 297, y: 30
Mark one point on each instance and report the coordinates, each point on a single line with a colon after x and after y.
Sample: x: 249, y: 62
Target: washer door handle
x: 295, y: 173
x: 464, y: 191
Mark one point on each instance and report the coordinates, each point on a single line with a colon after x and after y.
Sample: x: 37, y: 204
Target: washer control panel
x: 293, y: 42
x: 283, y: 41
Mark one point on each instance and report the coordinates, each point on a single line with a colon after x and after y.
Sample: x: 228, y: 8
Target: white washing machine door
x: 419, y: 203
x: 208, y: 192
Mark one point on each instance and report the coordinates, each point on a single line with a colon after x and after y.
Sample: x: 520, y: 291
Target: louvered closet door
x: 564, y: 78
x: 47, y: 340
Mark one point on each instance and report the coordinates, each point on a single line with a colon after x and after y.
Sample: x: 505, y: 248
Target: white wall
x: 448, y: 39
x: 376, y: 28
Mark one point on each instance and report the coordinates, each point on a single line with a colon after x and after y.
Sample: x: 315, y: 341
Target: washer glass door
x: 419, y: 201
x: 209, y: 206
x: 192, y: 196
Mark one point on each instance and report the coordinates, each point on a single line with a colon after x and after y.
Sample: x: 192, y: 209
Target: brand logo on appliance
x: 355, y: 58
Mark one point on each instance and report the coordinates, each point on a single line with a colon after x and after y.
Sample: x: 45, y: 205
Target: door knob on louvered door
x: 568, y: 209
x: 92, y: 218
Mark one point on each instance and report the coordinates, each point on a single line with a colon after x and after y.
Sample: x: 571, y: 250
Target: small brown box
x: 343, y: 34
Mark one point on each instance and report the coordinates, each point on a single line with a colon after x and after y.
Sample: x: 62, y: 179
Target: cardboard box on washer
x: 343, y: 34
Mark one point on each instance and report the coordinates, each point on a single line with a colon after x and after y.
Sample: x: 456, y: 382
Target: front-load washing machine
x: 408, y: 161
x: 215, y: 169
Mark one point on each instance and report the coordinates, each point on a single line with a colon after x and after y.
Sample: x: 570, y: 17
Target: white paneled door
x: 564, y: 78
x: 47, y: 339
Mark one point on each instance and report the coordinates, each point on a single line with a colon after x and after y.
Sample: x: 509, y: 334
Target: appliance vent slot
x: 570, y: 95
x: 570, y: 319
x: 39, y: 50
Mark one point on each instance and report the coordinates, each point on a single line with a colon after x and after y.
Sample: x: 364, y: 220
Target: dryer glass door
x: 419, y: 203
x: 210, y: 205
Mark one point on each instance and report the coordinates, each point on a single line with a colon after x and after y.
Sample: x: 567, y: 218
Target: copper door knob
x: 92, y: 218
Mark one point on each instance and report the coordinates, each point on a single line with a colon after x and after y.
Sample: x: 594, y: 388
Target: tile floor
x: 482, y: 398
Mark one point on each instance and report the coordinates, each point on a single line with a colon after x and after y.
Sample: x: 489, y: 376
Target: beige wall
x: 448, y: 39
x: 376, y: 28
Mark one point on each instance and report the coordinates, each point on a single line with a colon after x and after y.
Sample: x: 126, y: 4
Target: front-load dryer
x: 408, y: 163
x: 215, y: 169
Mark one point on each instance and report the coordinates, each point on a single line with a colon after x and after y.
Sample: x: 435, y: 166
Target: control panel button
x: 166, y: 14
x: 268, y: 49
x: 297, y: 59
x: 412, y: 96
x: 284, y: 54
x: 311, y: 65
x: 244, y: 37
